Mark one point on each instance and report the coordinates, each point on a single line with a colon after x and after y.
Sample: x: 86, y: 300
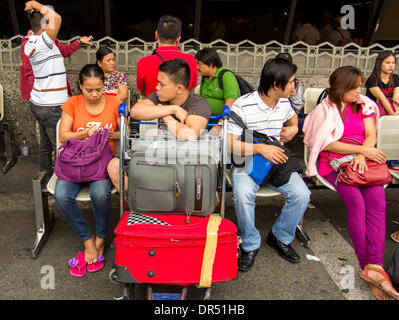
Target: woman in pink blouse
x: 365, y: 206
x: 115, y: 82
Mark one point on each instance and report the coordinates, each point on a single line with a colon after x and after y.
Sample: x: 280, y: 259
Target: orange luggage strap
x: 209, y: 251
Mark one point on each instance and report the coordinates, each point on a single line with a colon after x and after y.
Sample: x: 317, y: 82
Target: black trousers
x: 47, y: 117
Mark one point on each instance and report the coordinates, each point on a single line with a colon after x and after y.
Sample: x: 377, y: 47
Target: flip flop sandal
x: 78, y: 265
x: 371, y: 287
x: 378, y: 283
x: 96, y: 266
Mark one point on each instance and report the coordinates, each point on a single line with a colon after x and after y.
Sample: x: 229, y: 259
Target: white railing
x: 243, y: 57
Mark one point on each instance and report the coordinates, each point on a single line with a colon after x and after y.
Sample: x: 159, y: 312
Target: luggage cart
x: 130, y: 144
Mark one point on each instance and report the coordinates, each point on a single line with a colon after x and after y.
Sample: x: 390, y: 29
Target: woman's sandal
x: 377, y: 293
x: 78, y: 265
x: 365, y: 277
x: 96, y: 266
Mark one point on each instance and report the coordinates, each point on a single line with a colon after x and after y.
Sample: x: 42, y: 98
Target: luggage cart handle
x: 122, y: 110
x: 224, y: 115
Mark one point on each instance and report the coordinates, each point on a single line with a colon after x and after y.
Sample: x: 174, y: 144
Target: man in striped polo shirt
x: 49, y: 90
x: 267, y: 110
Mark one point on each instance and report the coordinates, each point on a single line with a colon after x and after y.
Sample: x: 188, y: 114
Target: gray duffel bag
x: 187, y: 184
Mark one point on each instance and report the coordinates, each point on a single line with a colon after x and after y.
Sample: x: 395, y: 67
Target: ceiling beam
x: 14, y: 17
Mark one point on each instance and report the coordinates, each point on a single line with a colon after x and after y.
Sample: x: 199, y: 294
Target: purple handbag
x: 84, y: 160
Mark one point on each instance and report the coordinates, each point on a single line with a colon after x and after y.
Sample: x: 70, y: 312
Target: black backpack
x: 243, y: 84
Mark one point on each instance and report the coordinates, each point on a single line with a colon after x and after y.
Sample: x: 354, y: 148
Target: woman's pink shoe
x: 78, y: 265
x: 96, y: 266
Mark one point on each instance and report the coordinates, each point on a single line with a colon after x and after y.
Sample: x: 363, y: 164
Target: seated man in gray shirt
x: 172, y: 97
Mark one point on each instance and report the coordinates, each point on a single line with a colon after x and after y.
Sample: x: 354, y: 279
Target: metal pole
x: 379, y: 13
x: 44, y: 219
x: 14, y: 17
x: 107, y: 15
x: 288, y: 27
x: 224, y: 166
x: 122, y: 141
x: 197, y: 19
x: 226, y: 116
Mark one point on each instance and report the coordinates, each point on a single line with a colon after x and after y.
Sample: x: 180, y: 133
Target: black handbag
x: 279, y: 174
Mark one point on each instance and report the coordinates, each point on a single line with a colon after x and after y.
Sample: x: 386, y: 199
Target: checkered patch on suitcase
x: 135, y: 218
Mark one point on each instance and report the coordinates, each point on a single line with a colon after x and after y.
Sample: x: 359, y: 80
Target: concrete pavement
x: 333, y: 277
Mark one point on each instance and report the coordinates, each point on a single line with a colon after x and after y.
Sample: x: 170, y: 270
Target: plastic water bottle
x: 258, y: 168
x: 24, y: 147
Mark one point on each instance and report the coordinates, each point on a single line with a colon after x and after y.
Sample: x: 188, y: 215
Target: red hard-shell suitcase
x: 165, y: 249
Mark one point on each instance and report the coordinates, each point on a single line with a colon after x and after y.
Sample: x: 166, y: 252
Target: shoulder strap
x: 255, y: 136
x: 350, y: 140
x: 322, y: 95
x: 237, y: 119
x: 156, y: 53
x: 344, y: 140
x: 220, y: 80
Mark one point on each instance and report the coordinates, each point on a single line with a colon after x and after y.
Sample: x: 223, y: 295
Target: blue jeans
x: 301, y: 121
x: 393, y: 163
x: 100, y: 193
x: 297, y: 197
